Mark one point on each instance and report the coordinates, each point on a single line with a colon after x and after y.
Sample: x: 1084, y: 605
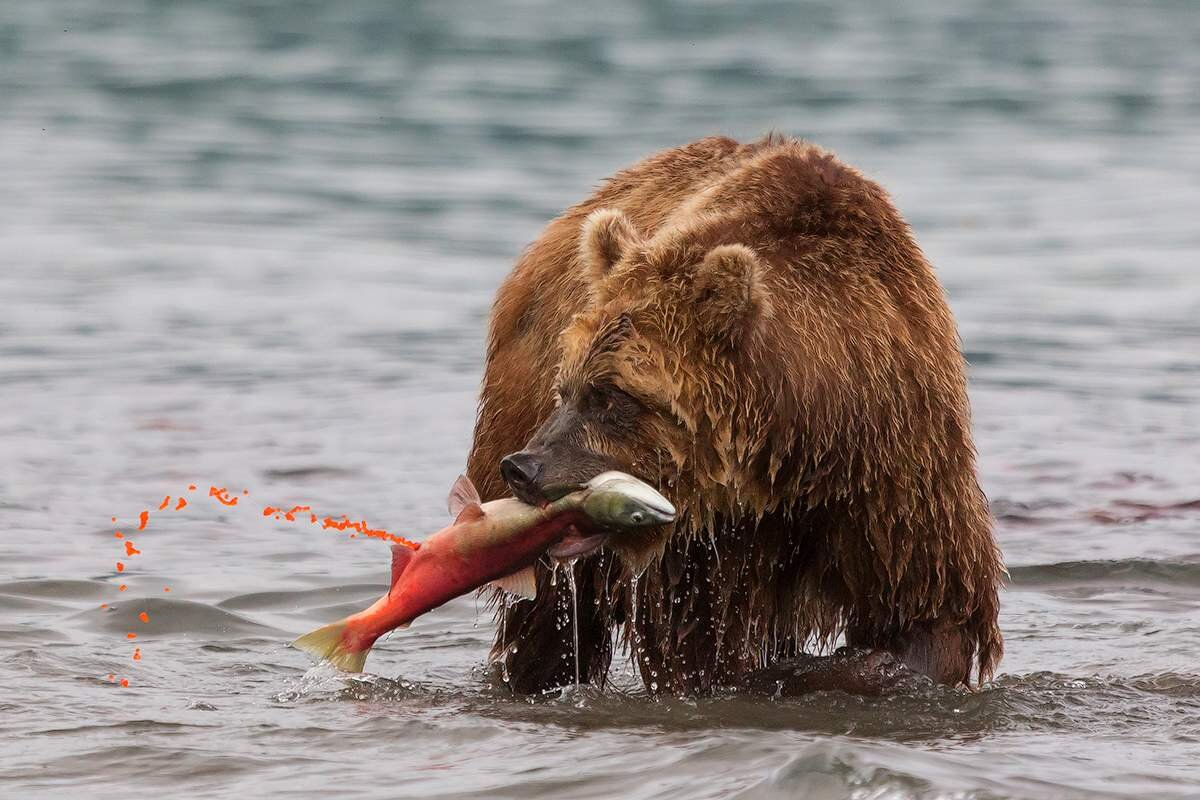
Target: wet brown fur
x: 805, y: 409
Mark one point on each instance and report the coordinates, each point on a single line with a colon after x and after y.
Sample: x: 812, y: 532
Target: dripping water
x: 635, y: 639
x: 503, y: 651
x: 570, y: 568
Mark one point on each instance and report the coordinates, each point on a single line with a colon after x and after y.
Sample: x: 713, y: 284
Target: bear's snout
x: 521, y: 471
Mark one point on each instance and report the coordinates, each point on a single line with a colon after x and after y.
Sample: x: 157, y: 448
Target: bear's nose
x: 521, y: 471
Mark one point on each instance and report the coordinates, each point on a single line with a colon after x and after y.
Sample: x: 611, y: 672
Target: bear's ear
x: 607, y: 235
x: 730, y: 297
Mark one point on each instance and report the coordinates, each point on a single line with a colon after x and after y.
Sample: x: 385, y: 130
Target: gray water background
x: 253, y: 244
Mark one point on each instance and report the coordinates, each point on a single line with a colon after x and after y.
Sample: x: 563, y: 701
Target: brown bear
x: 752, y: 329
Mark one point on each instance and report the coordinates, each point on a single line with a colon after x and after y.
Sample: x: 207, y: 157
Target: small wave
x: 160, y: 765
x: 1182, y: 574
x: 844, y: 770
x: 1121, y: 512
x: 56, y: 589
x: 25, y: 605
x: 29, y: 635
x: 169, y: 617
x: 305, y: 599
x: 130, y: 726
x: 313, y: 473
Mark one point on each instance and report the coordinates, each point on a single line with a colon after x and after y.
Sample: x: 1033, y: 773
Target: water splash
x: 321, y: 679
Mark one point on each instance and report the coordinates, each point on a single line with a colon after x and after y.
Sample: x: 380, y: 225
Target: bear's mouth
x: 577, y: 544
x: 557, y: 491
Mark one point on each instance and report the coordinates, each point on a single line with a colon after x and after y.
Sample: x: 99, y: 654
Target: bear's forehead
x: 598, y: 346
x: 671, y: 253
x: 596, y: 336
x: 650, y: 286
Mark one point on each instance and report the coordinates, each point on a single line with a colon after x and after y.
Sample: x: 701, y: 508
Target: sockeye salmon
x: 496, y: 542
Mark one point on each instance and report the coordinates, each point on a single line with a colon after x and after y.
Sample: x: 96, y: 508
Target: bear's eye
x: 613, y: 406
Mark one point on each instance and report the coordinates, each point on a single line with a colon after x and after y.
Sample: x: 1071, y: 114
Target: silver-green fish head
x: 618, y: 500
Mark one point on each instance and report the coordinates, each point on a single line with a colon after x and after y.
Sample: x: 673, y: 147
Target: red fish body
x: 485, y: 543
x: 450, y: 563
x: 496, y: 542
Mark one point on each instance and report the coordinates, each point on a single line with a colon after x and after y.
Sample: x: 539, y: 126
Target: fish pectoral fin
x: 462, y: 494
x: 522, y: 583
x: 402, y: 556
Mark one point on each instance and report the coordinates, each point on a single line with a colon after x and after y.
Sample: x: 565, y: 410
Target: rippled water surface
x: 249, y: 243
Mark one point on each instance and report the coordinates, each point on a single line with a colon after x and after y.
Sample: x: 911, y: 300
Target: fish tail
x: 329, y: 644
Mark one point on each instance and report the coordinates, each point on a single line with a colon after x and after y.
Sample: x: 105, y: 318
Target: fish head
x: 615, y: 504
x: 618, y: 500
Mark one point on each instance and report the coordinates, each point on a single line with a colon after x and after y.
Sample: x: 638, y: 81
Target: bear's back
x: 785, y: 197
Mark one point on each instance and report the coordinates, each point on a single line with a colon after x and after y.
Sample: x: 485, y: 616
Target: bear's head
x: 659, y: 373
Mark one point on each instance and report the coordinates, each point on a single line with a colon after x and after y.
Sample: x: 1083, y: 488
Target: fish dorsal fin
x: 401, y: 556
x: 469, y: 513
x: 462, y: 494
x: 523, y: 583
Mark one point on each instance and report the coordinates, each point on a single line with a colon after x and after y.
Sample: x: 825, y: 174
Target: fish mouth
x: 577, y: 543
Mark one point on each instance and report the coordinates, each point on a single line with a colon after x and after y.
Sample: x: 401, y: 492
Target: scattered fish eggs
x: 221, y: 495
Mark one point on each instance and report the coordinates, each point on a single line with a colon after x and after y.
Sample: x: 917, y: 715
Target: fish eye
x: 637, y: 516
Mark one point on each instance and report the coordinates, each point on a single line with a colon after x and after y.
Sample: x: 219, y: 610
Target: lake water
x: 252, y: 244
